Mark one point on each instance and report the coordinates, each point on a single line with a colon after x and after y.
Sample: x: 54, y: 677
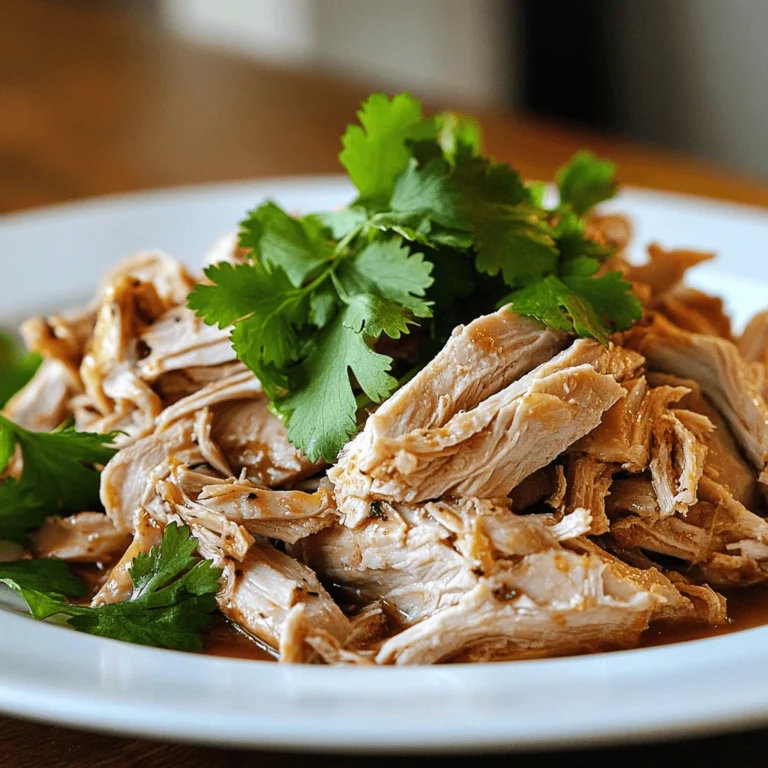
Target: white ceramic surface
x: 52, y: 258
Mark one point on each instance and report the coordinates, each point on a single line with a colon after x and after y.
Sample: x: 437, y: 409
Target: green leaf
x: 374, y: 315
x: 341, y: 223
x: 296, y: 246
x: 389, y: 270
x: 611, y: 298
x: 454, y: 278
x: 171, y: 603
x: 322, y: 305
x: 572, y: 241
x: 59, y: 476
x: 428, y: 192
x: 586, y: 181
x: 581, y: 266
x: 457, y: 133
x: 16, y: 368
x: 267, y: 309
x: 511, y: 236
x: 375, y: 152
x: 536, y: 192
x: 320, y: 408
x: 550, y: 301
x: 591, y: 307
x: 235, y: 292
x: 50, y: 576
x: 486, y: 184
x: 516, y: 242
x: 320, y: 290
x: 7, y: 448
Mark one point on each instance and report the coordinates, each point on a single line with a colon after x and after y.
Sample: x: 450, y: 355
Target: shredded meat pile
x: 527, y: 494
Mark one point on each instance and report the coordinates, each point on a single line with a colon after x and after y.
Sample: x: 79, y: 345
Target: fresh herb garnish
x: 51, y: 577
x: 59, y: 475
x: 303, y: 330
x: 171, y: 603
x: 438, y: 234
x: 16, y: 368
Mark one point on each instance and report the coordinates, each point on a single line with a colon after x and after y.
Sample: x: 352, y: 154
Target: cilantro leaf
x: 59, y: 475
x: 377, y: 316
x: 171, y: 603
x: 586, y: 181
x: 297, y: 246
x: 16, y: 368
x: 320, y: 408
x: 392, y: 272
x: 322, y: 289
x: 572, y: 241
x: 375, y: 152
x: 536, y: 192
x: 550, y: 301
x: 611, y: 297
x: 516, y: 241
x: 486, y: 184
x: 50, y: 576
x: 458, y: 133
x: 323, y: 303
x: 341, y: 223
x: 591, y: 307
x: 428, y: 192
x: 267, y: 310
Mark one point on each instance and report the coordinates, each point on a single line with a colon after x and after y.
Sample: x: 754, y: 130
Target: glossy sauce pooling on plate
x: 748, y: 608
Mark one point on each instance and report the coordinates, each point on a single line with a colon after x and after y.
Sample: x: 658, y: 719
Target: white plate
x: 51, y: 258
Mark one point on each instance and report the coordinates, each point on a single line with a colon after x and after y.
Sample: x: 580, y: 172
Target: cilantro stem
x: 343, y: 295
x: 347, y: 239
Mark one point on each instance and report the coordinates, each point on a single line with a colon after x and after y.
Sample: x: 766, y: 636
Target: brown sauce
x: 228, y: 641
x: 747, y: 608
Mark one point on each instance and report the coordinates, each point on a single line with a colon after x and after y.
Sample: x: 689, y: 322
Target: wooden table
x: 92, y: 102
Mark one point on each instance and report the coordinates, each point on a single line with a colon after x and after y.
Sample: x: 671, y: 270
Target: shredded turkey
x: 483, y: 451
x: 87, y: 537
x: 721, y: 373
x: 46, y: 402
x: 524, y: 494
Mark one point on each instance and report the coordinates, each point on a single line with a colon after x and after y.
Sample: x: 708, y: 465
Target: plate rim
x: 50, y: 703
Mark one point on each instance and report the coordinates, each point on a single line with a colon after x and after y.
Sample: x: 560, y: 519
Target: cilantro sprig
x: 437, y: 235
x: 306, y: 315
x: 50, y: 577
x: 172, y: 601
x: 60, y: 475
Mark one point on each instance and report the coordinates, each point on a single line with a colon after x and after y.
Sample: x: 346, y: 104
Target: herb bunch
x: 438, y: 234
x: 172, y: 601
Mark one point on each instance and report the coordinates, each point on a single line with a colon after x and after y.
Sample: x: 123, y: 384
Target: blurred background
x: 144, y: 93
x: 688, y: 74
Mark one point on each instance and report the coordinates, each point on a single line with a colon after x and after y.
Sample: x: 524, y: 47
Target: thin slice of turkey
x: 724, y: 462
x: 284, y: 515
x: 489, y: 449
x: 471, y: 555
x: 275, y: 599
x: 550, y: 600
x: 63, y: 336
x: 87, y: 537
x: 723, y: 375
x: 108, y: 370
x: 180, y: 340
x: 45, y: 403
x: 129, y: 481
x: 723, y: 543
x: 147, y: 533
